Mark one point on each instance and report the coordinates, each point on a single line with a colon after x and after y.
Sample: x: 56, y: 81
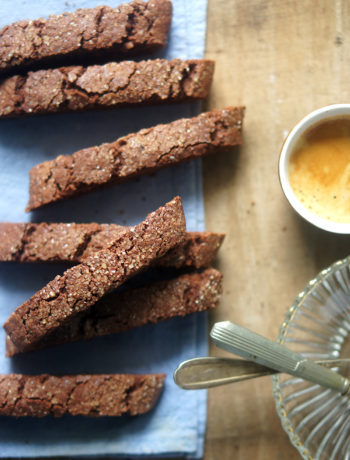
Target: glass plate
x: 317, y: 326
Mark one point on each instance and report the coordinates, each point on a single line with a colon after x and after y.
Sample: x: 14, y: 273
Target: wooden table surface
x: 281, y: 59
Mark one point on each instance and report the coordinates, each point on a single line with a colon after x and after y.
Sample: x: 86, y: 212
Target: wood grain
x: 281, y: 59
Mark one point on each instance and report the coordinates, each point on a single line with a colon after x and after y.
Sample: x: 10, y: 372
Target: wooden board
x: 281, y: 59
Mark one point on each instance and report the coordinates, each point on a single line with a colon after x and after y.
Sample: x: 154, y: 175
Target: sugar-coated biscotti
x: 111, y: 85
x: 83, y: 285
x: 54, y: 242
x: 136, y: 27
x: 144, y: 152
x: 121, y: 311
x: 197, y: 250
x: 61, y: 242
x: 91, y: 395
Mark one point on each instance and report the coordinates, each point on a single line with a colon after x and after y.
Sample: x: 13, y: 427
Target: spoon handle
x: 254, y: 347
x: 210, y: 372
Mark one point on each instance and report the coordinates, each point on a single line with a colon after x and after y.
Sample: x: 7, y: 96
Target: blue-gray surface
x: 176, y: 426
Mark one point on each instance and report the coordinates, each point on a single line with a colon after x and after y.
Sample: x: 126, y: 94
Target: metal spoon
x: 210, y: 372
x: 270, y: 356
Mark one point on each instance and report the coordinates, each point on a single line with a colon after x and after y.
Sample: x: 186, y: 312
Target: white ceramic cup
x: 313, y: 119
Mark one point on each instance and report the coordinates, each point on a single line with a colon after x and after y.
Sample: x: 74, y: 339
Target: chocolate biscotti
x: 141, y: 153
x: 31, y: 242
x: 83, y: 285
x: 127, y: 83
x: 197, y: 250
x: 121, y: 311
x: 92, y: 395
x: 137, y: 27
x: 61, y: 242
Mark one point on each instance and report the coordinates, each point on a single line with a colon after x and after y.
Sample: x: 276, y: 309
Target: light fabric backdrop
x: 176, y: 425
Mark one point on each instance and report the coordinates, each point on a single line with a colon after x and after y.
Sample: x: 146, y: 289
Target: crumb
x: 338, y: 40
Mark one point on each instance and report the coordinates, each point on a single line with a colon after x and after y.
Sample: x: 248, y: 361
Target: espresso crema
x: 319, y: 170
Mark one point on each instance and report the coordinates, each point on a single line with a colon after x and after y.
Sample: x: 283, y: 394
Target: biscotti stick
x: 61, y: 242
x: 121, y: 311
x: 197, y: 250
x: 144, y: 152
x: 83, y: 285
x: 91, y: 395
x: 128, y: 83
x: 137, y: 27
x: 54, y: 242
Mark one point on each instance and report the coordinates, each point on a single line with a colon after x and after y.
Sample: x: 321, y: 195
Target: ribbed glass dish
x: 317, y: 325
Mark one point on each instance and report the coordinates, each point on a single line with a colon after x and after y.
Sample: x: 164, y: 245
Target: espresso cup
x: 314, y: 119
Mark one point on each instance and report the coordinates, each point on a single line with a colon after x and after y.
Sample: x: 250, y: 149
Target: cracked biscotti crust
x: 83, y: 285
x: 61, y: 242
x: 91, y: 395
x: 121, y: 311
x: 197, y: 250
x: 144, y: 152
x: 136, y: 27
x: 111, y: 85
x: 54, y: 242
